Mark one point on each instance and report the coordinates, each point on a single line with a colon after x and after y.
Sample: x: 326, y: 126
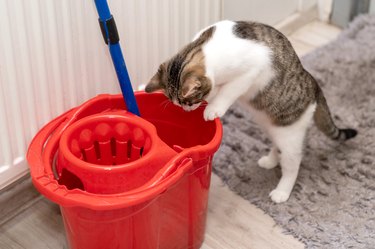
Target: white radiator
x: 52, y: 58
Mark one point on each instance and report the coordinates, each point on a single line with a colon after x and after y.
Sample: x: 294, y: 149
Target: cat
x: 229, y: 59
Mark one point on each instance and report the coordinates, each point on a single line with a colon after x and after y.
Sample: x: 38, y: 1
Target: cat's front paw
x: 279, y: 196
x: 212, y: 112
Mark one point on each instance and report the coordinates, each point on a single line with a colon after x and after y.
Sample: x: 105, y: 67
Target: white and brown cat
x: 227, y: 60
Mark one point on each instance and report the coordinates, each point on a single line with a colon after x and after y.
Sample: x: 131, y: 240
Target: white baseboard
x: 13, y: 173
x: 297, y: 20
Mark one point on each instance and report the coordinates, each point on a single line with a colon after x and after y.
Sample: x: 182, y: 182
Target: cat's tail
x: 324, y: 122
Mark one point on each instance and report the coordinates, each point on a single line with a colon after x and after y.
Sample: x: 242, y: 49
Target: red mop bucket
x: 124, y: 182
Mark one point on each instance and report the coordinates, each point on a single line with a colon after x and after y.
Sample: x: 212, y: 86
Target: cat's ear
x: 191, y: 86
x: 156, y: 82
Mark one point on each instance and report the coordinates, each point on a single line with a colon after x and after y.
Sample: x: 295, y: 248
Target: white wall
x: 372, y: 7
x: 266, y: 11
x: 325, y: 9
x: 52, y: 58
x: 308, y: 4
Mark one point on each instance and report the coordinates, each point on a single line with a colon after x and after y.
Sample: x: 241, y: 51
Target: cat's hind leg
x: 290, y: 141
x: 271, y: 160
x: 290, y: 162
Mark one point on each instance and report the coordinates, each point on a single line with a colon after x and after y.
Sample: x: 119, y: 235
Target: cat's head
x: 184, y: 83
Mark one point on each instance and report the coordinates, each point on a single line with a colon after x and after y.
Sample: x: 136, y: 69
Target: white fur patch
x: 235, y: 67
x: 228, y: 57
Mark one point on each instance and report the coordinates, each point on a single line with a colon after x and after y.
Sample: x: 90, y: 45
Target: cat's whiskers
x: 165, y: 104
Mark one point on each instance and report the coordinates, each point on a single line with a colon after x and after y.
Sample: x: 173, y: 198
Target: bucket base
x: 174, y: 220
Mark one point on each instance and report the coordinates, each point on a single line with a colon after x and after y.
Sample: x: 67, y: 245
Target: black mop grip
x: 113, y: 36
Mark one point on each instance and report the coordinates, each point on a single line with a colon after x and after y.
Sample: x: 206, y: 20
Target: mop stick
x: 111, y: 37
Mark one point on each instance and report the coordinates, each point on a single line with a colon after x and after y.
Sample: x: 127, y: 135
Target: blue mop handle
x: 110, y: 35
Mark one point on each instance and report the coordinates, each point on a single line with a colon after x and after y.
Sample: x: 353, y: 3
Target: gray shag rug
x: 333, y: 202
